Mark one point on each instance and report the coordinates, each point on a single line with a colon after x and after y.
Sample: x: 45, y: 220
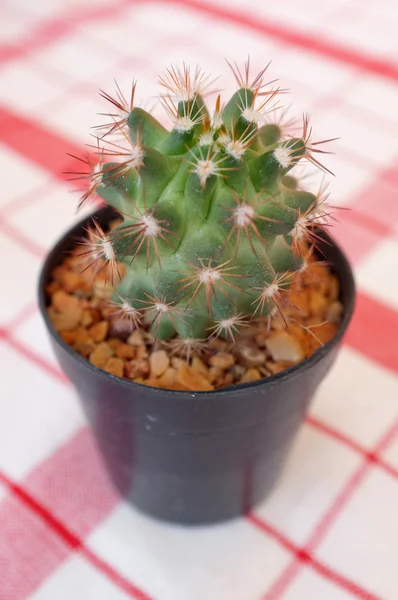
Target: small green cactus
x: 212, y: 220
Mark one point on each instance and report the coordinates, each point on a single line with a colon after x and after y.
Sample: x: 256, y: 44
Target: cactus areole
x: 213, y: 219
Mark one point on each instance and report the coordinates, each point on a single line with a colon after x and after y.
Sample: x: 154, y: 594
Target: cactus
x: 212, y: 219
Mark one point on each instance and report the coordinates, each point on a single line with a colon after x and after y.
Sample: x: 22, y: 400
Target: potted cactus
x: 197, y: 312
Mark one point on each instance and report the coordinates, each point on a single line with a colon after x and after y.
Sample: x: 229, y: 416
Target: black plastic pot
x: 195, y: 457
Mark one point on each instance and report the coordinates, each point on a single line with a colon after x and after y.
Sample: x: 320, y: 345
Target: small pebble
x: 152, y: 381
x: 283, y: 346
x: 114, y: 343
x: 58, y: 273
x: 99, y: 331
x: 334, y: 312
x: 318, y: 304
x: 52, y: 287
x: 125, y: 351
x: 228, y: 379
x: 191, y: 379
x: 334, y: 288
x: 91, y: 316
x: 102, y: 289
x: 159, y: 362
x: 115, y: 366
x: 302, y: 335
x: 71, y: 281
x: 199, y: 365
x: 323, y: 332
x: 222, y: 360
x: 65, y: 320
x: 215, y: 343
x: 251, y: 375
x: 87, y: 318
x: 238, y: 371
x: 168, y: 378
x: 69, y: 336
x: 83, y: 344
x: 82, y: 335
x: 84, y: 347
x: 107, y: 311
x: 250, y: 354
x: 74, y: 261
x: 176, y: 362
x: 62, y: 302
x: 215, y: 374
x: 100, y: 355
x: 277, y: 367
x: 136, y: 338
x: 142, y: 352
x: 137, y: 368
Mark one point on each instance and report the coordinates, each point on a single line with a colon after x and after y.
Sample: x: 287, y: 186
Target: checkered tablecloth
x: 329, y: 531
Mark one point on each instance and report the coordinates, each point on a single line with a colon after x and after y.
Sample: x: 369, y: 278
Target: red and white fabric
x: 329, y: 531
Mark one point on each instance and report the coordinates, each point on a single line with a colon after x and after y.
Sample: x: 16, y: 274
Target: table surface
x: 330, y: 528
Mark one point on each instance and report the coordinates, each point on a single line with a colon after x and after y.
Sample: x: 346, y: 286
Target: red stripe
x: 356, y: 241
x: 339, y: 580
x: 68, y: 537
x: 370, y: 222
x: 373, y: 331
x: 283, y: 581
x: 378, y: 200
x: 55, y: 29
x: 35, y: 358
x: 29, y: 550
x: 297, y: 39
x: 21, y: 239
x: 337, y: 435
x: 343, y: 582
x: 72, y: 540
x: 341, y: 500
x: 132, y: 590
x: 20, y: 202
x: 324, y: 525
x: 302, y: 556
x: 350, y: 443
x: 319, y: 532
x: 21, y: 316
x: 45, y: 148
x: 276, y: 535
